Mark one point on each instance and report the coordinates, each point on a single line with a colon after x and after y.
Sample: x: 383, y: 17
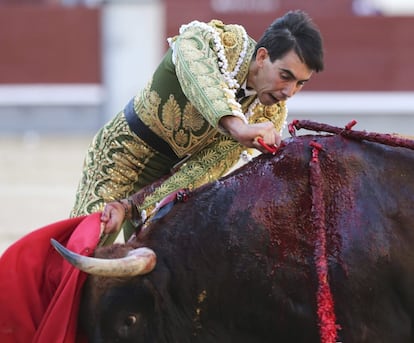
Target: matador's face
x: 278, y: 80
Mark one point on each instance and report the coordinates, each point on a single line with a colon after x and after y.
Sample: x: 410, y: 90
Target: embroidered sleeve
x: 201, y: 68
x: 209, y: 165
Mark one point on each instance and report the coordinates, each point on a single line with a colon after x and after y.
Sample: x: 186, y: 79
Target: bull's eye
x: 128, y: 325
x: 130, y: 320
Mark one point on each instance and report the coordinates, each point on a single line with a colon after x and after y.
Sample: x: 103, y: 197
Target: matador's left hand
x: 113, y: 215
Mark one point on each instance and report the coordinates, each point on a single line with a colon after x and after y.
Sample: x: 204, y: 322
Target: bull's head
x: 115, y: 306
x: 137, y: 262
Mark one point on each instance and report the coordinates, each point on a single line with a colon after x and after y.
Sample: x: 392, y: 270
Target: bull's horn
x: 138, y: 262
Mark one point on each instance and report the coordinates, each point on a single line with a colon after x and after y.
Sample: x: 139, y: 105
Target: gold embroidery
x: 192, y: 118
x: 171, y: 114
x: 217, y: 23
x: 229, y: 40
x: 113, y: 164
x: 232, y: 40
x: 181, y: 138
x: 277, y: 114
x: 186, y: 131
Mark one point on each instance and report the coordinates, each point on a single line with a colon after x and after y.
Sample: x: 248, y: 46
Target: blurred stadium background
x: 67, y: 66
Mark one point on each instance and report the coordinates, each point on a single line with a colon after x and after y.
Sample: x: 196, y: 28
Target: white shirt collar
x: 247, y: 92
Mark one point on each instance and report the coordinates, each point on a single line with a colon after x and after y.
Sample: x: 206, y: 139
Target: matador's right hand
x: 247, y: 134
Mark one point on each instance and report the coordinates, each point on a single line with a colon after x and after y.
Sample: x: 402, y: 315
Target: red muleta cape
x: 40, y: 291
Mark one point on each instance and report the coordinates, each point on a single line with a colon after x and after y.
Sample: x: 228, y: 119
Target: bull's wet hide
x: 242, y: 264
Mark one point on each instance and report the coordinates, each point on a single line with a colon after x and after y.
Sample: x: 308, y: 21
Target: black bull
x: 238, y: 261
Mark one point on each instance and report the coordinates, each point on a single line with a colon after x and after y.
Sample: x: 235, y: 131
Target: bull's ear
x: 155, y: 291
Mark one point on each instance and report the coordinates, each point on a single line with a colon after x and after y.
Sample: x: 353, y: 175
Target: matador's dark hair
x: 294, y: 31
